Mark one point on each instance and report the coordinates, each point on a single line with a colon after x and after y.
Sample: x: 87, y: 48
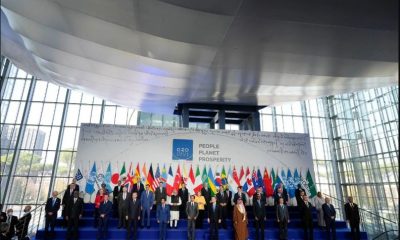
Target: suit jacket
x: 159, y: 195
x: 147, y: 200
x: 297, y: 194
x: 243, y: 196
x: 163, y: 213
x: 222, y: 197
x: 123, y: 204
x: 184, y: 195
x: 116, y: 191
x: 263, y: 198
x: 3, y: 217
x: 214, y: 215
x: 67, y: 196
x: 52, y: 208
x: 259, y: 209
x: 192, y: 212
x: 329, y: 212
x: 206, y: 194
x: 133, y: 209
x: 352, y: 213
x: 73, y: 210
x: 229, y: 194
x: 106, y: 208
x: 282, y: 213
x: 282, y: 195
x: 137, y: 189
x: 22, y: 225
x: 306, y: 211
x: 13, y: 224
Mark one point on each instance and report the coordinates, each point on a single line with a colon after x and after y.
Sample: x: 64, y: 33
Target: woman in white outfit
x: 319, y: 201
x: 174, y: 201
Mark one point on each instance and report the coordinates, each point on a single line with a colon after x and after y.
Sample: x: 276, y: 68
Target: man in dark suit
x: 206, y: 193
x: 3, y: 215
x: 160, y: 193
x: 297, y: 192
x: 259, y: 215
x: 282, y: 217
x: 75, y: 184
x: 329, y: 217
x: 117, y: 189
x: 280, y: 193
x: 51, y: 209
x: 68, y: 194
x: 353, y: 218
x: 138, y: 187
x: 133, y: 215
x: 240, y: 194
x: 123, y: 204
x: 222, y: 201
x: 146, y: 202
x: 163, y: 216
x: 183, y: 193
x: 229, y: 207
x: 214, y: 218
x: 23, y: 223
x: 73, y: 213
x: 306, y: 217
x: 105, y: 212
x: 12, y: 221
x: 192, y: 211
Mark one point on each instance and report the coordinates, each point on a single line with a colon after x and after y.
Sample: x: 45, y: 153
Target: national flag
x: 273, y: 178
x: 164, y: 175
x: 277, y: 181
x: 150, y: 178
x: 107, y: 178
x: 283, y: 177
x: 224, y: 178
x: 78, y: 175
x: 211, y: 184
x: 123, y: 170
x: 204, y: 176
x: 144, y: 174
x: 157, y: 176
x: 291, y: 187
x: 269, y: 191
x: 232, y: 184
x: 178, y: 179
x: 296, y: 177
x: 137, y: 174
x: 170, y: 182
x: 91, y: 180
x: 217, y: 180
x: 311, y: 185
x: 198, y: 183
x: 259, y: 179
x: 236, y: 177
x: 129, y: 178
x: 184, y: 175
x: 190, y: 181
x: 242, y: 177
x: 254, y: 178
x: 248, y: 186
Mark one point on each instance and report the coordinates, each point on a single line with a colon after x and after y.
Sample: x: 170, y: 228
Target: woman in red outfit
x: 99, y: 199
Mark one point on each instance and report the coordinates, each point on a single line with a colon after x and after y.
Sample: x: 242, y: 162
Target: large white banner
x: 114, y: 147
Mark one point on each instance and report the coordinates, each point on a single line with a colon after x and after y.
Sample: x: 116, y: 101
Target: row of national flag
x: 249, y: 179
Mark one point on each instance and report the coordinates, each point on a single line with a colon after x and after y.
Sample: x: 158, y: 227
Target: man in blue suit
x: 163, y: 218
x: 146, y: 200
x: 329, y: 217
x: 105, y: 211
x: 51, y: 209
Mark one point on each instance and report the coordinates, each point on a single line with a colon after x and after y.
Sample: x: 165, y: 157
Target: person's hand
x: 189, y: 218
x: 265, y: 218
x: 158, y: 221
x: 126, y: 217
x: 256, y: 218
x: 141, y: 208
x: 138, y: 218
x: 277, y: 220
x: 167, y: 222
x: 219, y: 220
x: 288, y: 221
x: 50, y: 213
x: 66, y: 217
x: 208, y: 220
x: 194, y: 218
x: 80, y: 216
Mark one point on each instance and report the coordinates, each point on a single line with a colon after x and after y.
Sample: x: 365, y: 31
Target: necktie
x: 74, y: 200
x: 9, y: 219
x: 54, y: 201
x: 124, y: 196
x: 134, y: 201
x: 213, y: 207
x: 258, y: 201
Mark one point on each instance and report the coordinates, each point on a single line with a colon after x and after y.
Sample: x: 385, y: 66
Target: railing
x: 373, y: 223
x: 391, y: 234
x: 38, y: 218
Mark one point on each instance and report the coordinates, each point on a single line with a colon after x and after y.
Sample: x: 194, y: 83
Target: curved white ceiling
x: 151, y: 54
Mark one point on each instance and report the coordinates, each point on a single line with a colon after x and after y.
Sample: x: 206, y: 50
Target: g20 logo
x: 182, y: 149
